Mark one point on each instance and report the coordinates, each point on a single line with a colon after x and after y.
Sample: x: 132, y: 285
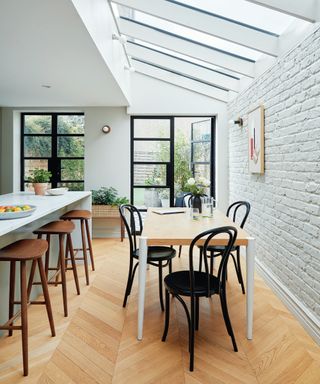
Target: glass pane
x: 32, y: 164
x: 150, y: 151
x: 36, y: 146
x: 70, y: 146
x: 70, y: 124
x: 151, y: 197
x: 202, y: 130
x: 197, y: 36
x: 202, y: 170
x: 72, y: 169
x: 72, y: 186
x: 150, y: 174
x: 148, y: 128
x: 38, y: 124
x: 201, y: 152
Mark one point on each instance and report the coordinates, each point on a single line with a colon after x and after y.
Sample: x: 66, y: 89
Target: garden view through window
x: 55, y: 142
x: 166, y: 152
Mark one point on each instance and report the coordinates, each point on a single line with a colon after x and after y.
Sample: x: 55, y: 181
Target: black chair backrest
x: 133, y: 223
x: 181, y: 200
x: 207, y: 236
x: 234, y: 214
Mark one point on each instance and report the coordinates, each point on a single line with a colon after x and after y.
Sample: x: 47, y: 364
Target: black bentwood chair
x: 158, y: 256
x: 196, y: 284
x: 239, y: 212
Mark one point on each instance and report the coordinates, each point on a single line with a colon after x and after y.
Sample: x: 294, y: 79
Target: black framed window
x: 53, y: 141
x: 165, y: 152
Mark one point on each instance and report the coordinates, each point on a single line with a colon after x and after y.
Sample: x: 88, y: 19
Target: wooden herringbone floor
x: 97, y: 342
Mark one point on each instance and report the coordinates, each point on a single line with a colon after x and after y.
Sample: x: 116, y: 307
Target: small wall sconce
x: 239, y: 122
x: 106, y: 129
x: 121, y: 38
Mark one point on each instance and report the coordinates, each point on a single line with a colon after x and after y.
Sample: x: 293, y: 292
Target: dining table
x: 175, y: 227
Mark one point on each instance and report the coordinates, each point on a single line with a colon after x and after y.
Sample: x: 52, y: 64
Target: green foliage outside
x: 107, y: 196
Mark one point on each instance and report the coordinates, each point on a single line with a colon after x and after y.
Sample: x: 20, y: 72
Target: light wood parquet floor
x: 97, y: 342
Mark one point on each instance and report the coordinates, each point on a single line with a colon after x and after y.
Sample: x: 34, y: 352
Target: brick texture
x: 285, y: 215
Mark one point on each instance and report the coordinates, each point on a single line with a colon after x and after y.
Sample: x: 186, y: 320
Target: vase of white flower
x: 197, y: 188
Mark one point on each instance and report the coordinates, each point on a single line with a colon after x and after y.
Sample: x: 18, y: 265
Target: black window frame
x: 170, y: 169
x: 54, y: 161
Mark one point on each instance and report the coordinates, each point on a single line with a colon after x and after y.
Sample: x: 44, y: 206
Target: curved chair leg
x: 223, y: 301
x: 192, y: 328
x: 197, y: 314
x: 167, y: 318
x: 188, y: 317
x: 128, y: 284
x: 239, y: 271
x: 180, y: 249
x: 132, y: 278
x: 160, y: 286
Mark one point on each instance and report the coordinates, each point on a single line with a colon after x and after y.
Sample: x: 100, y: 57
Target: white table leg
x: 143, y: 253
x: 250, y: 255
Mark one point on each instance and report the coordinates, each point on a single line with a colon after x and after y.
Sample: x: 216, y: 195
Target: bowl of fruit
x: 16, y: 211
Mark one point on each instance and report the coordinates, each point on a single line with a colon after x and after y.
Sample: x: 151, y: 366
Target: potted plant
x: 39, y: 178
x: 105, y: 202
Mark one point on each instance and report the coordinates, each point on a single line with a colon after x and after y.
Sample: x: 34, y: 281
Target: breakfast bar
x: 48, y: 208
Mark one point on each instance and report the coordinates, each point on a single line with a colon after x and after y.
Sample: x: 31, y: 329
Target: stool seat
x: 28, y: 249
x: 77, y: 214
x: 56, y: 228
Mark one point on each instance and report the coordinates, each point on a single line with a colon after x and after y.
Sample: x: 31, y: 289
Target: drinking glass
x: 207, y: 206
x: 194, y: 213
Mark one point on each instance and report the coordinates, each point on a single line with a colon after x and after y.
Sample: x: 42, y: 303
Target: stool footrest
x: 38, y: 302
x: 10, y: 327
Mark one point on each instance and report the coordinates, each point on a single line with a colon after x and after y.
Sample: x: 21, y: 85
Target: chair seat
x: 56, y: 228
x: 27, y: 249
x: 158, y: 253
x: 179, y: 283
x: 77, y: 214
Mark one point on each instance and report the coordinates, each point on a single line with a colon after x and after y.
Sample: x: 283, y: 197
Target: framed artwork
x: 256, y: 140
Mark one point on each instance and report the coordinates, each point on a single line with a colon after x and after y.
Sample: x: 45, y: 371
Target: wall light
x: 121, y: 38
x: 106, y: 129
x: 239, y: 121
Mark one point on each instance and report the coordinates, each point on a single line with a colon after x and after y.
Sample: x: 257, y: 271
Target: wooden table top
x: 180, y: 229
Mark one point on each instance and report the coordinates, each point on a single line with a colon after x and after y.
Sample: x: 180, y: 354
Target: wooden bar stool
x: 22, y: 251
x: 84, y: 217
x: 62, y: 229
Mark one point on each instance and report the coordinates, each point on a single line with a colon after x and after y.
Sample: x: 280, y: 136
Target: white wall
x: 155, y: 97
x: 285, y: 216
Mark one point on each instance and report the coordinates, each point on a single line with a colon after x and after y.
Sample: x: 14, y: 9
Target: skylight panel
x: 198, y: 37
x: 244, y: 12
x: 186, y: 58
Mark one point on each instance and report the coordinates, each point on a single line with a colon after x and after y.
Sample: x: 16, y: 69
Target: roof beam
x: 308, y: 10
x: 209, y: 24
x: 181, y: 81
x: 185, y: 47
x: 182, y: 66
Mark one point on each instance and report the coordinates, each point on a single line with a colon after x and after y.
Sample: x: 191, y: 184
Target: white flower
x: 191, y: 181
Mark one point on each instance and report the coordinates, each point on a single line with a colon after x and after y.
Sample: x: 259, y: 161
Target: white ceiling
x: 44, y: 42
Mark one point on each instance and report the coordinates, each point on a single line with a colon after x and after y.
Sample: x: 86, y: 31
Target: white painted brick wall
x: 285, y: 215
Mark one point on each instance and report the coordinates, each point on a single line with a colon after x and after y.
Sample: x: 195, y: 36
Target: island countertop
x: 45, y: 205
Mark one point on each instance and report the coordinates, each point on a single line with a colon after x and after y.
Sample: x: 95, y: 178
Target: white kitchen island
x: 49, y: 208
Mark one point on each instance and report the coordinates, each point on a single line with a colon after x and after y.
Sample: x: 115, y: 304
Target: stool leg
x: 24, y: 318
x: 31, y: 277
x: 46, y: 296
x: 84, y: 250
x: 73, y: 262
x: 63, y: 274
x: 48, y: 237
x: 12, y: 291
x: 89, y: 244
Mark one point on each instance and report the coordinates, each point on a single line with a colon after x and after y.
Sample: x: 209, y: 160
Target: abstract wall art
x: 256, y: 140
